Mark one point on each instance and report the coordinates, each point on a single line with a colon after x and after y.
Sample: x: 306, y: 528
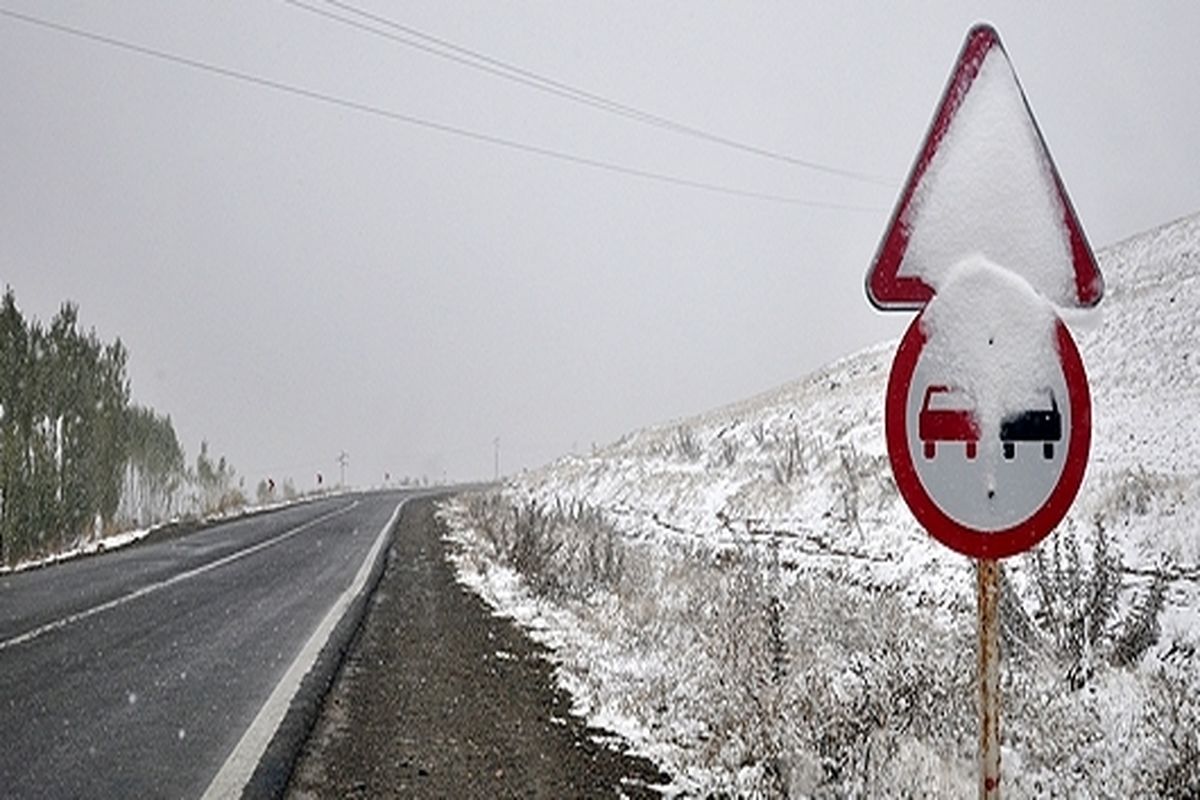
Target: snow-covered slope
x: 717, y: 475
x: 724, y: 474
x: 804, y: 468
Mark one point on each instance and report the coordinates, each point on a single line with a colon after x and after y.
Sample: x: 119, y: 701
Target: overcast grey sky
x: 294, y: 278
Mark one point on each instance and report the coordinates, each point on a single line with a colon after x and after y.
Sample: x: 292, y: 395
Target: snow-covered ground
x: 88, y: 545
x: 83, y: 548
x: 775, y: 622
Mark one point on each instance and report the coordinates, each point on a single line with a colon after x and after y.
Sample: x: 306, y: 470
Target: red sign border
x: 886, y: 288
x: 953, y: 534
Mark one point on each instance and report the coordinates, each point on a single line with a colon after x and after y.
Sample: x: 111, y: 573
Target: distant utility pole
x: 343, y: 459
x: 496, y: 443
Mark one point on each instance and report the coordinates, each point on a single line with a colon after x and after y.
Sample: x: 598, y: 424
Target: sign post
x: 988, y: 412
x: 988, y: 582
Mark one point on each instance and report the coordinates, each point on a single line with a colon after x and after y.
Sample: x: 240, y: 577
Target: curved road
x: 163, y: 670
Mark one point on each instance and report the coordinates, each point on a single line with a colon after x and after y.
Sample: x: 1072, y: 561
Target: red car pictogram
x: 953, y: 424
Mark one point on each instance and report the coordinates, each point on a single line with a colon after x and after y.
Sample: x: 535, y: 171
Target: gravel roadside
x: 439, y: 698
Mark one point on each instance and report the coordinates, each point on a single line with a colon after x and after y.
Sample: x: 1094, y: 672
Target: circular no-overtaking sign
x: 988, y: 488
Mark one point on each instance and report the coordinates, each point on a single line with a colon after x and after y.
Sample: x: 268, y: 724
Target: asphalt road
x: 163, y: 670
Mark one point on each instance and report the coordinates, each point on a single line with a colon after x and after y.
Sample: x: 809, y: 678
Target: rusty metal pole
x: 988, y: 579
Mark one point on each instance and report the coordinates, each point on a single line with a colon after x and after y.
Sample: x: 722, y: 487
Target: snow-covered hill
x: 796, y: 483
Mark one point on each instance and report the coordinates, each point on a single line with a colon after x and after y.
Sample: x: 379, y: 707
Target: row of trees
x: 76, y: 456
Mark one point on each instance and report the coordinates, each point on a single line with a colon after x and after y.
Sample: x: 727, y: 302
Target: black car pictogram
x: 1033, y: 425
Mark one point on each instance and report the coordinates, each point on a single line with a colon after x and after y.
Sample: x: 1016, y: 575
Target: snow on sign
x: 988, y: 413
x: 983, y: 182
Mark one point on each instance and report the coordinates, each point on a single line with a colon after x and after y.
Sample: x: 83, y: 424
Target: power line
x: 396, y: 116
x: 502, y: 69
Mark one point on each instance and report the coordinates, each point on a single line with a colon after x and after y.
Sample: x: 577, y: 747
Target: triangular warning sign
x: 984, y: 183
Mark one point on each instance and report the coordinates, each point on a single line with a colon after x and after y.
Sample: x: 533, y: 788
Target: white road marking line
x: 237, y: 770
x: 63, y: 622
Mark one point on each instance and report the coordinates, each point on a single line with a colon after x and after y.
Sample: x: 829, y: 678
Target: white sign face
x: 985, y: 483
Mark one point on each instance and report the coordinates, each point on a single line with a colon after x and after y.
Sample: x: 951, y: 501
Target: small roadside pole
x: 988, y: 413
x: 343, y: 459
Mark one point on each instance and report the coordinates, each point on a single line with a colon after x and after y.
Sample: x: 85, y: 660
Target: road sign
x: 988, y: 414
x: 986, y: 499
x: 983, y: 182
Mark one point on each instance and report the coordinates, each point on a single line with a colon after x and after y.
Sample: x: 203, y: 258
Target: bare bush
x: 593, y: 556
x: 485, y: 512
x: 1078, y: 605
x: 899, y: 680
x: 1019, y: 636
x: 804, y: 687
x: 1175, y: 713
x: 561, y: 550
x: 735, y: 622
x: 758, y: 432
x: 729, y: 450
x: 1141, y: 629
x: 1135, y: 492
x: 788, y: 462
x: 850, y: 480
x: 686, y: 445
x: 533, y: 545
